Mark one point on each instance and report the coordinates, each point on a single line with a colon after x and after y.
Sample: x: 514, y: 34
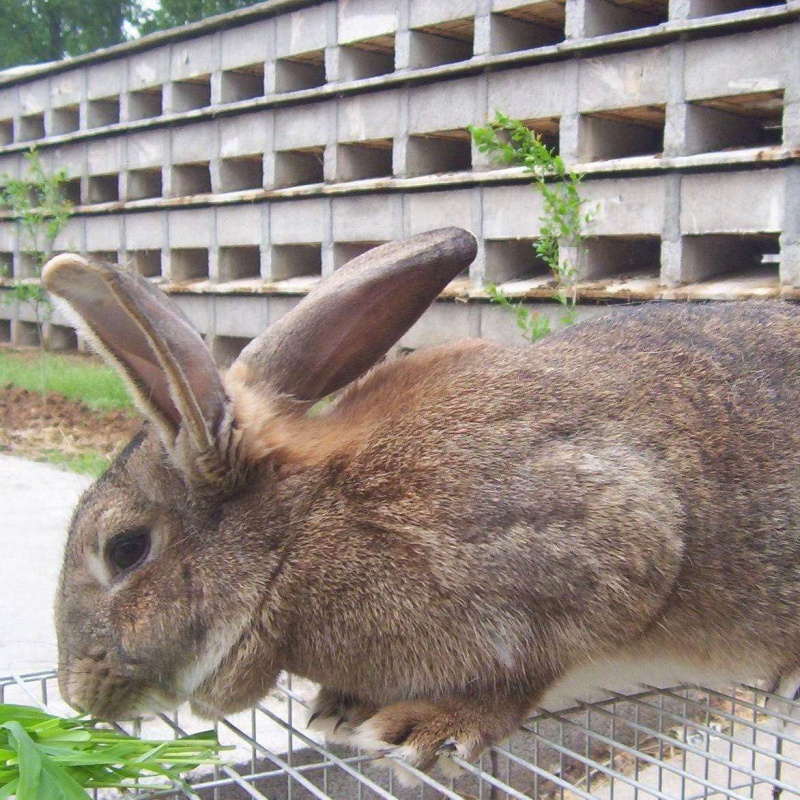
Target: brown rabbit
x: 461, y: 533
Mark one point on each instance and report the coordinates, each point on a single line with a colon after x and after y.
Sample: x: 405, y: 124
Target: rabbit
x: 455, y: 538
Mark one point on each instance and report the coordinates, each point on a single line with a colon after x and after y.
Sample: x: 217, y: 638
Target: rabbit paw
x: 336, y: 715
x: 424, y: 734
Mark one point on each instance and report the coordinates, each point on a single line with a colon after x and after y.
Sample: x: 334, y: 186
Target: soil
x: 54, y: 428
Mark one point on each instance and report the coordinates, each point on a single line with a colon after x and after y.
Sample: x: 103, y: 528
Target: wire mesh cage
x: 677, y: 743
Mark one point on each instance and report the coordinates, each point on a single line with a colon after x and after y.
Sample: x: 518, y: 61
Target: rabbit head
x: 166, y: 591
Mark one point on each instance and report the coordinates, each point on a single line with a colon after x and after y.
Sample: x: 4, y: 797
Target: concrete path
x: 36, y: 501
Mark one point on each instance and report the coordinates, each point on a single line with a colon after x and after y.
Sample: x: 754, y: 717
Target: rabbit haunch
x: 478, y: 529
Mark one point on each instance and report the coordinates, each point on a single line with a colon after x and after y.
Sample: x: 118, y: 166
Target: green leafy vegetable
x: 43, y: 757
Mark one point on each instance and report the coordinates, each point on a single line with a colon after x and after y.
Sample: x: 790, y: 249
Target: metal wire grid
x: 666, y: 744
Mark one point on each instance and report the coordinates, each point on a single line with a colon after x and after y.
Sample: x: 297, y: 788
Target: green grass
x: 74, y: 376
x: 91, y: 463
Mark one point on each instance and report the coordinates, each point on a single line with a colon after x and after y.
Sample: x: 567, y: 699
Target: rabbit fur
x: 453, y: 539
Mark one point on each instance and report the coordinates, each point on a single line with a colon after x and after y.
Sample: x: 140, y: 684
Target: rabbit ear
x: 343, y: 327
x: 138, y: 330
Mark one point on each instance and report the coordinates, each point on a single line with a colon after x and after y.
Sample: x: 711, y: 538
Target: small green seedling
x: 44, y: 757
x: 563, y: 219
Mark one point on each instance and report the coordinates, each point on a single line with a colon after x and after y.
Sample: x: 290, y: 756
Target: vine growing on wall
x: 37, y: 203
x: 564, y: 218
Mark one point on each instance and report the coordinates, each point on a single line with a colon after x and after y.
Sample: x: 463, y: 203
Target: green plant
x: 43, y: 757
x: 563, y: 219
x: 41, y: 210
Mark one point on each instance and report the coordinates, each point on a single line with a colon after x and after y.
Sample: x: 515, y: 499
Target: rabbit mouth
x: 112, y: 691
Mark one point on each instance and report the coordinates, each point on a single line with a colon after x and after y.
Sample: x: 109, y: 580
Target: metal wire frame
x: 659, y: 743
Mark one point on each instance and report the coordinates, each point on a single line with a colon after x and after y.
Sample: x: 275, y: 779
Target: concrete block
x: 369, y: 116
x: 443, y: 322
x: 193, y: 143
x: 239, y: 225
x: 737, y: 64
x: 102, y: 234
x: 104, y: 80
x: 248, y: 44
x: 148, y: 69
x: 198, y: 310
x: 193, y: 58
x: 8, y: 237
x: 145, y: 231
x: 66, y: 89
x: 33, y: 97
x: 444, y: 106
x: 511, y: 212
x: 506, y: 34
x: 71, y: 157
x: 304, y: 126
x: 365, y: 19
x: 304, y: 31
x: 429, y: 210
x: 624, y: 80
x: 375, y: 218
x: 71, y: 237
x: 626, y: 207
x: 425, y: 12
x: 299, y: 221
x: 104, y: 156
x: 533, y: 92
x: 589, y: 18
x: 146, y: 148
x: 245, y: 135
x: 420, y: 49
x: 240, y: 316
x: 190, y: 228
x: 733, y: 202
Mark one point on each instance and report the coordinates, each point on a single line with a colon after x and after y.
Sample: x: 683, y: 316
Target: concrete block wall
x: 238, y: 160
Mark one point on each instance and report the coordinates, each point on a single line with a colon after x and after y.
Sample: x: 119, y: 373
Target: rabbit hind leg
x: 336, y: 714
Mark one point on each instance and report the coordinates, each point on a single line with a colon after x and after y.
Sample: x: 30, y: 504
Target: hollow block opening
x: 347, y: 251
x: 440, y: 151
x: 146, y: 103
x: 188, y: 264
x: 71, y: 190
x: 367, y: 58
x: 25, y: 266
x: 5, y: 331
x: 147, y: 262
x: 6, y: 131
x: 738, y: 121
x: 190, y: 179
x: 243, y: 172
x: 527, y: 27
x: 299, y: 167
x: 709, y: 8
x: 31, y: 127
x: 190, y: 94
x: 242, y: 83
x: 144, y: 183
x: 109, y: 256
x: 103, y: 188
x: 444, y: 43
x: 359, y: 160
x: 513, y: 259
x: 27, y: 334
x: 621, y: 256
x: 298, y: 72
x: 62, y: 337
x: 707, y: 255
x: 622, y: 133
x: 239, y: 263
x: 65, y: 120
x: 603, y: 17
x: 296, y: 261
x: 103, y: 112
x: 226, y: 349
x: 6, y: 265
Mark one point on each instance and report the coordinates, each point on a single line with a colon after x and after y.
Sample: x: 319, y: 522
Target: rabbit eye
x: 128, y: 550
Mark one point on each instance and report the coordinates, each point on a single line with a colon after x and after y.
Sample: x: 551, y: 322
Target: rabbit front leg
x: 422, y: 732
x: 337, y: 714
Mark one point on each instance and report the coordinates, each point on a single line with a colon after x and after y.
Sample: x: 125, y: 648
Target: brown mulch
x: 36, y: 426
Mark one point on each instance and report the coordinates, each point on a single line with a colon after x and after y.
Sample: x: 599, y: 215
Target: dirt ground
x: 55, y: 428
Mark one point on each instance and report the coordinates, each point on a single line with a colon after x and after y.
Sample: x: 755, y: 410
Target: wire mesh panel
x: 677, y: 743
